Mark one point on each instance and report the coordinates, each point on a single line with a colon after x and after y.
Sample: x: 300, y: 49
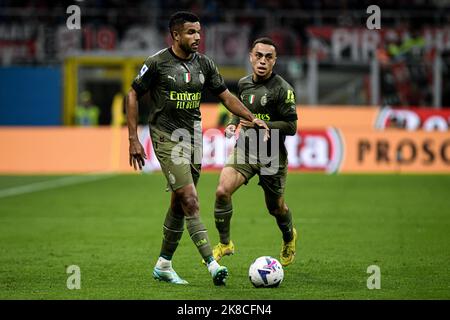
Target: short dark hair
x: 264, y: 40
x: 179, y: 18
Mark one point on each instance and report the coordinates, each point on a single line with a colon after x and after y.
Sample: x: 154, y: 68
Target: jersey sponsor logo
x: 290, y: 97
x: 186, y: 100
x: 187, y: 77
x: 262, y: 116
x: 185, y: 96
x: 173, y: 78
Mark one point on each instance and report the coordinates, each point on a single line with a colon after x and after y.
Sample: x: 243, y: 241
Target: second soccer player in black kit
x: 272, y: 100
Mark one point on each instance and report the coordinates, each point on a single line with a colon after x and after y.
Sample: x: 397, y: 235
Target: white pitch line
x: 51, y: 184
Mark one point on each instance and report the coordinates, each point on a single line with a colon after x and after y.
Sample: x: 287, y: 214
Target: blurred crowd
x: 293, y: 14
x: 286, y: 21
x: 34, y: 32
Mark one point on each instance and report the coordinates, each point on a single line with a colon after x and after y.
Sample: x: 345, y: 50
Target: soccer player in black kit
x: 175, y: 78
x: 272, y: 100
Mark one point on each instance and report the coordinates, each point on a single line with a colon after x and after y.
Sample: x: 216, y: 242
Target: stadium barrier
x: 28, y: 150
x: 347, y: 140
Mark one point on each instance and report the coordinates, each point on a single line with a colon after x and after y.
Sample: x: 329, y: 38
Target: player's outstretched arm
x: 236, y: 107
x: 137, y: 152
x: 288, y: 128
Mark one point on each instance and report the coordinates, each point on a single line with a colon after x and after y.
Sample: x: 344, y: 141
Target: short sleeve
x: 146, y: 77
x: 287, y: 103
x: 214, y: 80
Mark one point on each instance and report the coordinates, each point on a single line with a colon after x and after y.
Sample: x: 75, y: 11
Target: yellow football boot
x: 288, y: 250
x: 221, y: 250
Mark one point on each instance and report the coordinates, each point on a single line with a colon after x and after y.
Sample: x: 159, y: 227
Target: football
x: 266, y: 272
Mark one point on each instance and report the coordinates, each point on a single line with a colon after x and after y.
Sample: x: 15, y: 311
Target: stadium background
x: 369, y: 102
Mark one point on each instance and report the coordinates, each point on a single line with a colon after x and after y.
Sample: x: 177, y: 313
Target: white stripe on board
x: 51, y: 184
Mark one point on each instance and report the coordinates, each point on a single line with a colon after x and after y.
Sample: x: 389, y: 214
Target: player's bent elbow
x: 132, y: 94
x: 292, y: 128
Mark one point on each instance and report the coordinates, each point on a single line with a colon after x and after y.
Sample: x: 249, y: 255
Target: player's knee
x: 277, y: 209
x: 222, y: 194
x: 274, y: 211
x: 190, y: 204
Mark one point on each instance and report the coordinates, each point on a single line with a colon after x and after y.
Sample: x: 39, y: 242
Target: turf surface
x: 111, y: 228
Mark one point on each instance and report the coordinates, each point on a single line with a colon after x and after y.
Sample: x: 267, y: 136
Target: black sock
x: 284, y: 222
x: 172, y: 232
x: 199, y: 236
x: 222, y: 215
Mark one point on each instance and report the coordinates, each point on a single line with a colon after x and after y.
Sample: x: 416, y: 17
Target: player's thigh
x: 177, y: 170
x: 237, y: 169
x: 177, y: 175
x: 230, y: 180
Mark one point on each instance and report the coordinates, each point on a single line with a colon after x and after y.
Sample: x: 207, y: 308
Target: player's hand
x: 230, y: 130
x: 257, y: 123
x: 246, y: 123
x: 137, y: 154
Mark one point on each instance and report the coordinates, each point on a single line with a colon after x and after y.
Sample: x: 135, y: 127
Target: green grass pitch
x: 111, y: 228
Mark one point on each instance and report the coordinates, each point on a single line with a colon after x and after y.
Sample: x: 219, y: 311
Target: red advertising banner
x: 414, y: 119
x: 309, y: 150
